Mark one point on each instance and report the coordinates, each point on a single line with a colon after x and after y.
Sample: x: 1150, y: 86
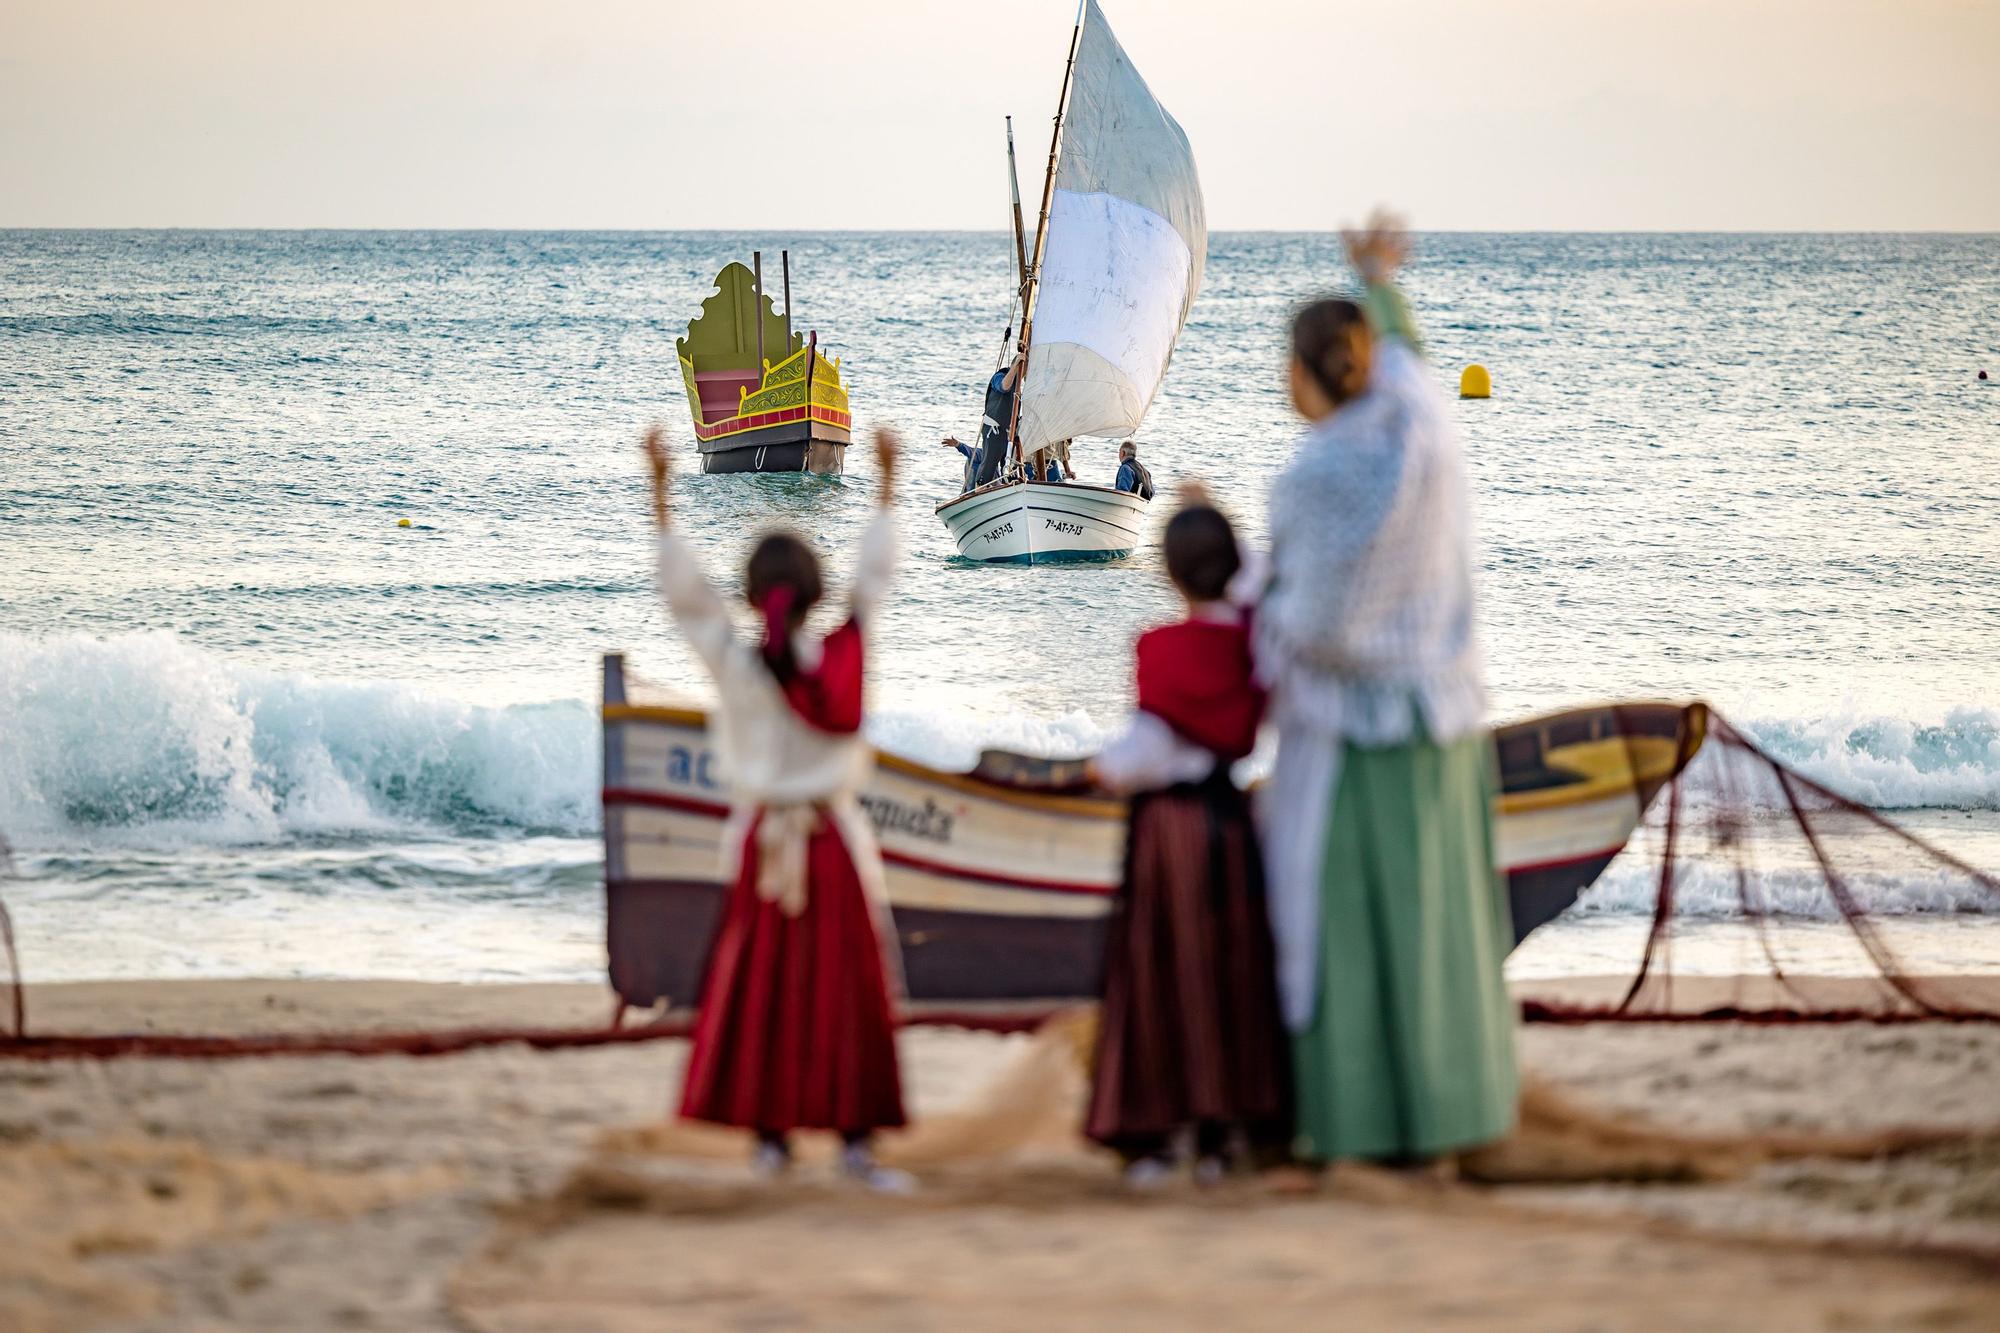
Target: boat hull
x: 1004, y: 894
x: 1034, y: 522
x: 792, y: 447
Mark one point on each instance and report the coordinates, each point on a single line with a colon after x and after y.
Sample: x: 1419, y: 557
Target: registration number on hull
x: 997, y: 531
x: 1073, y: 529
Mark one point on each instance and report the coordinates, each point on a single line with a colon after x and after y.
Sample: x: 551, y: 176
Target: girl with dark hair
x: 1189, y: 1039
x: 1388, y: 915
x: 795, y: 1029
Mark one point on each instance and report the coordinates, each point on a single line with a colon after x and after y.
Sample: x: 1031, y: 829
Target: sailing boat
x: 751, y: 415
x: 1119, y: 247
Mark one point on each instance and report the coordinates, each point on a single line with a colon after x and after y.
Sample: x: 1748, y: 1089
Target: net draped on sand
x: 1737, y: 850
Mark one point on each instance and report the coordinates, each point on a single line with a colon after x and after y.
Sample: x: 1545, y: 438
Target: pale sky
x: 1465, y: 114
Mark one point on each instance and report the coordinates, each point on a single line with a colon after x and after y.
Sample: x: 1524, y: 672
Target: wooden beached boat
x: 1001, y: 893
x: 1120, y: 242
x: 751, y: 413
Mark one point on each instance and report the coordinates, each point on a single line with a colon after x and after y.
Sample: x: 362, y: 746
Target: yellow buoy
x: 402, y: 522
x: 1475, y: 383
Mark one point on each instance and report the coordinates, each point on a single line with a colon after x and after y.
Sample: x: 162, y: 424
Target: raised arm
x: 694, y: 603
x: 1377, y: 251
x: 875, y: 566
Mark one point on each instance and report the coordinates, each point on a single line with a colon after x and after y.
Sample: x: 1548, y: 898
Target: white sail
x: 1127, y: 237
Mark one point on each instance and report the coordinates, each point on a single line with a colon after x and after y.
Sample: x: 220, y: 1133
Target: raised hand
x: 659, y: 466
x: 1378, y: 249
x: 887, y: 450
x: 1192, y: 491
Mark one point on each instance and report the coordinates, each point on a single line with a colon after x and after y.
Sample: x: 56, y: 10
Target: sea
x: 253, y: 725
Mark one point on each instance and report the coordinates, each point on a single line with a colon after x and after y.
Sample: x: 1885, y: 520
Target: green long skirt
x: 1411, y: 1049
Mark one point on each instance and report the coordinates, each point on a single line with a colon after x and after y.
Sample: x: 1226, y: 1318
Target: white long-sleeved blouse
x: 770, y: 755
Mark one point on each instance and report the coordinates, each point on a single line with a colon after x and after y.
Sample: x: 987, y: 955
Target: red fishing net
x: 1754, y: 892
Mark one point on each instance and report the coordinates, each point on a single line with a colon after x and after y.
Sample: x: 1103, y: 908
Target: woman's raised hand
x: 1378, y: 249
x: 659, y: 466
x: 887, y: 448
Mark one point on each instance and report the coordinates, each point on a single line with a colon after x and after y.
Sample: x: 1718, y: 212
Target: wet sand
x: 511, y: 1190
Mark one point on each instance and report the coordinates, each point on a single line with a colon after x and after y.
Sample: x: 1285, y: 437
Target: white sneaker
x: 1148, y: 1173
x: 857, y: 1163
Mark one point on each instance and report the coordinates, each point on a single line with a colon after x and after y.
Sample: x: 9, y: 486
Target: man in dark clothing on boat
x: 1132, y: 474
x: 988, y: 459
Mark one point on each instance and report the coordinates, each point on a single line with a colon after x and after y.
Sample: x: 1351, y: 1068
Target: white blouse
x: 771, y: 757
x: 1148, y: 754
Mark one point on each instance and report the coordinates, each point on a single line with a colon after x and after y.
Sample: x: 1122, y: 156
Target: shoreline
x: 249, y: 1006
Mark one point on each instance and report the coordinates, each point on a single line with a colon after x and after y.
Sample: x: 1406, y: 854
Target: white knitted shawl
x: 1369, y: 617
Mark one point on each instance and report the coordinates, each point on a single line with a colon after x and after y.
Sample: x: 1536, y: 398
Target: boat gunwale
x: 1587, y: 790
x: 997, y: 487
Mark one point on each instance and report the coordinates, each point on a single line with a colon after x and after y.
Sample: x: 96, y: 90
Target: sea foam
x: 149, y: 737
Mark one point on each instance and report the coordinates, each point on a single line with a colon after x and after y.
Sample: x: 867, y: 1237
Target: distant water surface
x: 249, y: 725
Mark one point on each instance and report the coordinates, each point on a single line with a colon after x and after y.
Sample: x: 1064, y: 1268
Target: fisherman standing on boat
x: 986, y: 460
x: 997, y: 421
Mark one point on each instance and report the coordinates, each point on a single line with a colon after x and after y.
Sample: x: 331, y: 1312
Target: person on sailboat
x: 972, y: 454
x: 1133, y: 478
x: 994, y: 422
x: 1388, y: 917
x: 796, y: 1028
x: 1189, y: 1034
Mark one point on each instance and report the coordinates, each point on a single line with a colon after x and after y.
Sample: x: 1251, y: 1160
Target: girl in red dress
x: 1190, y: 1039
x: 796, y: 1029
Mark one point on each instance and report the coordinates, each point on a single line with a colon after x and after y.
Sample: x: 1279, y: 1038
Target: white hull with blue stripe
x: 1040, y: 522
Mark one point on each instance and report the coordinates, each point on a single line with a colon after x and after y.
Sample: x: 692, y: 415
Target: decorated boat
x: 1000, y: 880
x: 1120, y: 242
x: 764, y: 397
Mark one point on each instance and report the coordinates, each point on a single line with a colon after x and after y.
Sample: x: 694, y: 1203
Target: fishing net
x: 1751, y: 891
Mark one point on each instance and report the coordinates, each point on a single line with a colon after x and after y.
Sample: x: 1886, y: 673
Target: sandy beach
x: 510, y: 1190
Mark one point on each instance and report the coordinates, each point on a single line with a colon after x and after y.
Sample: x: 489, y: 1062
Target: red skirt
x: 1190, y: 1032
x: 795, y: 1029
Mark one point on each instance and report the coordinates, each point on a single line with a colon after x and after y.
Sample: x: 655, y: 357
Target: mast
x: 785, y: 258
x: 1020, y: 232
x: 1033, y: 280
x: 757, y: 302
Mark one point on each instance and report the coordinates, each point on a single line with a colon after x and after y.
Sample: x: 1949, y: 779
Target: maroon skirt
x: 796, y: 1030
x: 1190, y: 1032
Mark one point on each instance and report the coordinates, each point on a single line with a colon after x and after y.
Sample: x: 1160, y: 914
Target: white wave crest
x: 1893, y: 763
x: 147, y: 738
x: 1712, y: 891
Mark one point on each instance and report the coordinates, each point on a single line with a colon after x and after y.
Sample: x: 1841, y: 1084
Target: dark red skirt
x: 796, y: 1029
x: 1190, y: 1032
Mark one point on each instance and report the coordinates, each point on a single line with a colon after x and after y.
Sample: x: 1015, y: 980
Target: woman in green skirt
x: 1387, y: 912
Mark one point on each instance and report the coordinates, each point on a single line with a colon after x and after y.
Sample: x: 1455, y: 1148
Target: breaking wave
x: 145, y: 737
x: 1894, y: 763
x: 144, y: 734
x: 1630, y: 887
